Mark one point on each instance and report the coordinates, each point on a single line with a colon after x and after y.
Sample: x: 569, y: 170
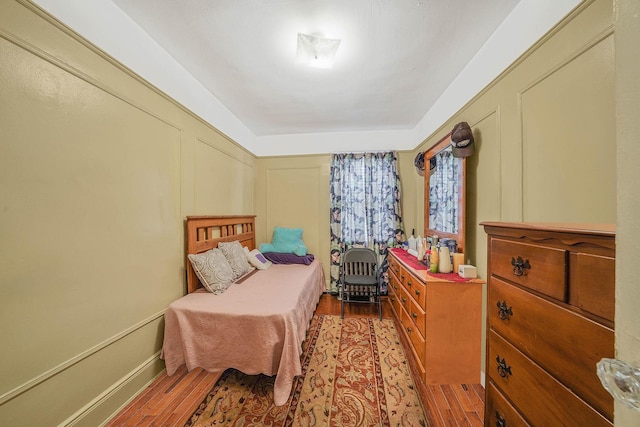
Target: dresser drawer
x: 417, y: 314
x: 541, y: 268
x: 592, y: 282
x: 499, y: 411
x: 562, y: 342
x: 415, y: 338
x: 406, y: 278
x: 540, y: 398
x: 409, y: 281
x: 394, y: 266
x: 393, y: 299
x: 418, y: 292
x: 405, y: 299
x: 394, y: 283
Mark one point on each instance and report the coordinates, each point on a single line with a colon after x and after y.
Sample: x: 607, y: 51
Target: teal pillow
x: 286, y: 240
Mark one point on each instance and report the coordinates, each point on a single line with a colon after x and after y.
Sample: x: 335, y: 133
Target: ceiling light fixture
x: 316, y: 51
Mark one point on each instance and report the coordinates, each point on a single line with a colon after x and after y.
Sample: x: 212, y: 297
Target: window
x: 365, y: 206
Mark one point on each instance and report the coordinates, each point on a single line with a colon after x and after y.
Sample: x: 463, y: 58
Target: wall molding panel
x: 226, y: 152
x: 551, y: 138
x: 5, y: 397
x: 12, y: 38
x: 147, y: 372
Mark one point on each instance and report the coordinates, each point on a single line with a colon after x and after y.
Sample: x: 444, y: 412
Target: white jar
x: 413, y: 243
x: 444, y: 263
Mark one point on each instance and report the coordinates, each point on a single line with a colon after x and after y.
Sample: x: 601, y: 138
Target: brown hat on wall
x: 462, y: 140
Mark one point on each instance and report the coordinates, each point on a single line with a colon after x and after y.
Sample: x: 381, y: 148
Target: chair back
x: 360, y: 262
x: 359, y: 278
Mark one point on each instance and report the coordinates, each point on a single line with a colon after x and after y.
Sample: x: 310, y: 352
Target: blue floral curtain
x: 365, y: 207
x: 444, y: 193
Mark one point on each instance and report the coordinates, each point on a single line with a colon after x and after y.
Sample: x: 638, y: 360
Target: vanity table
x: 441, y: 318
x: 440, y: 314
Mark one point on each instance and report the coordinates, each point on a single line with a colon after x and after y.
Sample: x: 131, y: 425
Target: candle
x: 458, y: 258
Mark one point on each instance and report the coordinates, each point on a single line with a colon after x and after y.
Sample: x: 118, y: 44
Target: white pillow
x: 213, y: 270
x: 236, y: 257
x: 256, y: 259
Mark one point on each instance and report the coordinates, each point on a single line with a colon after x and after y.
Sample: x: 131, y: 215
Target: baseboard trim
x: 148, y: 365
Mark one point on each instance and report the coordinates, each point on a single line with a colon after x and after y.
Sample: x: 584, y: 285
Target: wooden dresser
x: 442, y: 321
x: 550, y: 313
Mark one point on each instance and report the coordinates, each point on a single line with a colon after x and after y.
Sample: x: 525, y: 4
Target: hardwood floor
x: 169, y: 401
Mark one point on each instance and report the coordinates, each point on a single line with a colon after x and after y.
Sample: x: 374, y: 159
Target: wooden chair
x: 359, y: 278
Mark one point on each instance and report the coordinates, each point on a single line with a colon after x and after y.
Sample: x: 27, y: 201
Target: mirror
x: 444, y: 193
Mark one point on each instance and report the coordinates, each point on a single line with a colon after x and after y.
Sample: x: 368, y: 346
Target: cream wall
x: 412, y: 198
x: 293, y: 191
x: 627, y: 63
x: 97, y: 172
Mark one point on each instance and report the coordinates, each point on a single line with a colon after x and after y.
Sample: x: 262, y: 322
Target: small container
x: 467, y: 271
x: 413, y: 243
x: 444, y: 263
x: 458, y: 259
x: 420, y: 248
x: 433, y: 267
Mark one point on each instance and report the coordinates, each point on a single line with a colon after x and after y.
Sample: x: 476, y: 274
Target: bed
x: 256, y: 326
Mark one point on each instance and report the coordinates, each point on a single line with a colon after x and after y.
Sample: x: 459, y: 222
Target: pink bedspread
x: 256, y: 326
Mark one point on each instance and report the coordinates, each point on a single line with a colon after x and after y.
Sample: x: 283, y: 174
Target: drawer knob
x: 415, y: 315
x: 418, y: 292
x: 520, y: 266
x: 500, y: 421
x: 409, y: 283
x: 504, y: 311
x: 409, y: 329
x: 404, y: 299
x: 503, y: 368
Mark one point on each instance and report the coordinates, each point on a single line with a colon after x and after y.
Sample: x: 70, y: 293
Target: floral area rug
x: 354, y: 373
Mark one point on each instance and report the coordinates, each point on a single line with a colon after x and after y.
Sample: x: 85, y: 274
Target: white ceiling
x: 397, y: 60
x: 396, y: 57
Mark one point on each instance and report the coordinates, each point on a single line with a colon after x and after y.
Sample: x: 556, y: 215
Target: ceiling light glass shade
x: 316, y: 51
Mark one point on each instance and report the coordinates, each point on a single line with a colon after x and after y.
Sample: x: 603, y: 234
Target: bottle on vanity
x: 444, y: 262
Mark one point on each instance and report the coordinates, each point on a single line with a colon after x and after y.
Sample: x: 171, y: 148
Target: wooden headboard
x: 205, y: 232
